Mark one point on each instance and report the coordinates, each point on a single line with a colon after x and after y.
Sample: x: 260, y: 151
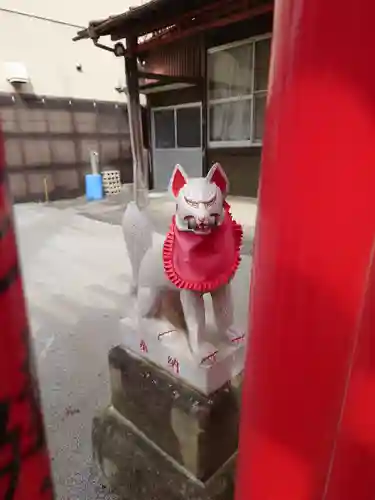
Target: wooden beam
x: 169, y: 78
x: 140, y: 168
x: 157, y: 87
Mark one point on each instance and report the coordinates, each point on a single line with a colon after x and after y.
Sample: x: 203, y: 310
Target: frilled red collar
x: 203, y: 263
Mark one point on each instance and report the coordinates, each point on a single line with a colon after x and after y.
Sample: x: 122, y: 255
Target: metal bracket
x: 104, y: 47
x: 118, y: 49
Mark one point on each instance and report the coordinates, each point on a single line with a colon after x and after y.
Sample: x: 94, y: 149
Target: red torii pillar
x: 24, y: 461
x: 308, y: 414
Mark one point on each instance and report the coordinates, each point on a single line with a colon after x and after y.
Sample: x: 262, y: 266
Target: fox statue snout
x: 202, y: 224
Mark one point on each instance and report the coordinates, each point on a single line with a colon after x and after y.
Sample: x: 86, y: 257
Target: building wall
x: 52, y: 123
x: 172, y: 97
x: 242, y: 165
x: 48, y: 141
x: 183, y: 58
x: 239, y: 31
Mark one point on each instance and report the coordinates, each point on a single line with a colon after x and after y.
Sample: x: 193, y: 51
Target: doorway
x: 176, y: 138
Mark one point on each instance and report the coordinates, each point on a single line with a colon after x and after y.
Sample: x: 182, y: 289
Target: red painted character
x: 174, y: 364
x: 143, y: 346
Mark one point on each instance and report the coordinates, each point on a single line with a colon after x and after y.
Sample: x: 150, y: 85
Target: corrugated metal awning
x: 141, y: 20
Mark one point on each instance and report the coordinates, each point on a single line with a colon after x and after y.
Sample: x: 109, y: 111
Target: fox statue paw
x: 205, y: 354
x: 234, y: 335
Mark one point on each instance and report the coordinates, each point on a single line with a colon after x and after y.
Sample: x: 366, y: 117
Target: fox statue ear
x: 178, y: 180
x: 218, y: 177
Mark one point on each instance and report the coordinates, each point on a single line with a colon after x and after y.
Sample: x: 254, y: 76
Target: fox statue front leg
x: 195, y: 318
x: 222, y: 304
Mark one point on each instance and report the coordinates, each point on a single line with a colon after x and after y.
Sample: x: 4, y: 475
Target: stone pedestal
x: 161, y: 439
x: 221, y: 357
x: 170, y: 350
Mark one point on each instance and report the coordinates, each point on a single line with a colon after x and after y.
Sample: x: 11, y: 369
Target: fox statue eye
x: 192, y: 203
x: 210, y: 202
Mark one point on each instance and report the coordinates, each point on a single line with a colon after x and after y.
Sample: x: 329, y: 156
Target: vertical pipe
x: 94, y: 162
x: 205, y: 83
x: 140, y: 167
x: 46, y: 191
x: 24, y: 462
x: 313, y: 245
x: 149, y: 145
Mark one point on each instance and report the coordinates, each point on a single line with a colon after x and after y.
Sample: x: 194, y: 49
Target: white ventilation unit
x: 16, y: 73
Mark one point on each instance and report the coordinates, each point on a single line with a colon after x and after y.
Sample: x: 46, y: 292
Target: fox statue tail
x: 138, y: 238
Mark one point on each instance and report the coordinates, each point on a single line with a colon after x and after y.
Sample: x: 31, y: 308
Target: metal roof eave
x: 139, y: 15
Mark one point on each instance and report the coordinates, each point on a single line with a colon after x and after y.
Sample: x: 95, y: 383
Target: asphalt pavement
x: 77, y: 276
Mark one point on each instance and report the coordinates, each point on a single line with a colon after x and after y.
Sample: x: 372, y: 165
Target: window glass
x: 238, y: 80
x: 262, y: 63
x: 188, y: 127
x: 259, y: 115
x: 230, y: 121
x: 230, y: 72
x: 164, y: 129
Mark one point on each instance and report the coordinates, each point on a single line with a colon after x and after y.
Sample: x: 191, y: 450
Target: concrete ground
x: 160, y: 210
x: 77, y: 275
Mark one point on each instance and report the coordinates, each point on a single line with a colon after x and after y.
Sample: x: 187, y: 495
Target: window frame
x: 175, y: 107
x: 246, y: 97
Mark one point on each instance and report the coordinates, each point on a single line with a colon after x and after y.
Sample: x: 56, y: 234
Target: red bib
x: 203, y: 262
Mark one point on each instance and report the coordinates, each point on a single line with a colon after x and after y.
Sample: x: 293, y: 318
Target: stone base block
x: 137, y: 469
x: 162, y: 338
x: 197, y: 431
x: 220, y: 360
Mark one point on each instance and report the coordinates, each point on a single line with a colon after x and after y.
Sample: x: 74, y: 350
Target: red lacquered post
x: 24, y: 461
x: 308, y: 413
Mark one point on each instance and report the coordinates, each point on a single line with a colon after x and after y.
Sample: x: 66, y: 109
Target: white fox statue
x: 199, y: 255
